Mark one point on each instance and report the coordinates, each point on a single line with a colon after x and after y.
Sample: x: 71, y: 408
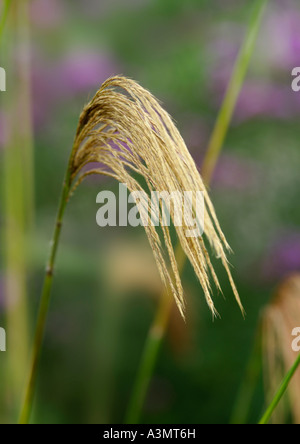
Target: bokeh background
x: 106, y: 285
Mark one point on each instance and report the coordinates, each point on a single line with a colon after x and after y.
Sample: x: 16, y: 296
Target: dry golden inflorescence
x: 126, y: 131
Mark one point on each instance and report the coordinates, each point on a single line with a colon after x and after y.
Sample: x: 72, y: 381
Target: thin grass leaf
x: 279, y: 395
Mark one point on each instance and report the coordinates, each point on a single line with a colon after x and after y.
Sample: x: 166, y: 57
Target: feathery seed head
x: 126, y: 131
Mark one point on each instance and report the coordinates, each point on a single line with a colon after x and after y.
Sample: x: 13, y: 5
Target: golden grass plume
x: 126, y: 131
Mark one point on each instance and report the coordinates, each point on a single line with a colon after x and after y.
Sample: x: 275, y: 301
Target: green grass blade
x: 13, y: 185
x: 283, y: 388
x: 233, y: 91
x: 44, y: 307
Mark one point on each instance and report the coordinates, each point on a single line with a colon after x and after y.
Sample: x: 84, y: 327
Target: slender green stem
x: 5, y: 10
x: 17, y: 175
x: 44, y: 305
x: 283, y: 388
x: 233, y: 91
x: 154, y: 340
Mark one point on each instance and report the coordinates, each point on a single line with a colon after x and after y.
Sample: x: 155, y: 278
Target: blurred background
x: 106, y: 289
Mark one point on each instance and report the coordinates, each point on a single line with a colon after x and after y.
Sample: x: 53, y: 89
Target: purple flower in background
x: 280, y: 44
x: 262, y: 100
x: 195, y: 132
x: 47, y: 13
x: 82, y: 70
x: 278, y: 52
x: 236, y: 173
x: 44, y: 89
x: 283, y: 257
x: 100, y: 8
x: 295, y: 41
x: 266, y: 100
x: 223, y: 51
x: 279, y: 40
